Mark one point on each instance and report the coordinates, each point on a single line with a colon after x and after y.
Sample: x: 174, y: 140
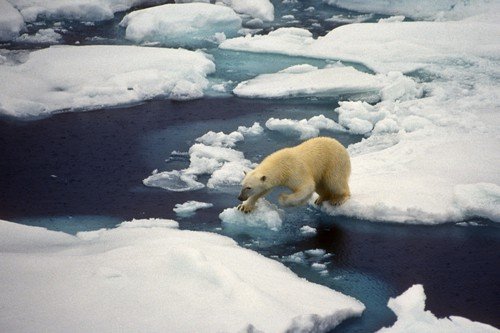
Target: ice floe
x: 190, y: 24
x: 430, y: 153
x: 79, y: 10
x: 258, y: 9
x: 305, y: 128
x: 307, y: 80
x: 174, y: 275
x: 11, y: 22
x: 427, y: 9
x: 413, y: 318
x: 67, y: 78
x: 265, y: 215
x: 42, y: 36
x: 189, y: 208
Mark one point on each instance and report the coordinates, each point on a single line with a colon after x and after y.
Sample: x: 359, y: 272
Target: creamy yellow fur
x: 320, y: 164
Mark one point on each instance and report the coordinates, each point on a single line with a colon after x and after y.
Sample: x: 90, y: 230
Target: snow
x: 426, y: 9
x: 80, y: 10
x: 11, y: 22
x: 258, y: 9
x: 190, y: 24
x: 47, y: 36
x: 189, y: 208
x: 307, y: 80
x: 305, y: 128
x: 265, y: 215
x: 147, y: 275
x: 442, y: 108
x: 68, y: 78
x: 412, y: 317
x: 220, y: 139
x: 253, y: 130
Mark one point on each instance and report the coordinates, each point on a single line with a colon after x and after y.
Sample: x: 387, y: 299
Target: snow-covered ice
x: 265, y: 215
x: 11, y: 21
x: 423, y: 9
x: 413, y: 318
x: 66, y: 78
x: 257, y: 9
x: 190, y: 24
x: 147, y: 275
x: 305, y: 128
x: 190, y: 207
x: 308, y: 230
x: 307, y: 80
x: 46, y: 36
x: 446, y: 112
x: 80, y: 10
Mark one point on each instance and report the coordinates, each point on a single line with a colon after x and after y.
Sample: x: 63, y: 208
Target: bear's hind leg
x: 340, y: 192
x: 324, y: 195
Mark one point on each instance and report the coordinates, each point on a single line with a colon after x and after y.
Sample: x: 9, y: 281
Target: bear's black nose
x: 240, y: 198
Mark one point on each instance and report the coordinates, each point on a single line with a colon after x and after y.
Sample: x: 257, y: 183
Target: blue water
x: 83, y: 171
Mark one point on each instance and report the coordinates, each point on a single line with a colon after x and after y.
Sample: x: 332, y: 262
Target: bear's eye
x: 248, y: 188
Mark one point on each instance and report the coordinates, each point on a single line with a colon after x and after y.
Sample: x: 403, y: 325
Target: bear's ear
x: 245, y: 173
x: 263, y: 178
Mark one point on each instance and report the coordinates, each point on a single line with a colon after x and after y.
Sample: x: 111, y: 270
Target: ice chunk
x: 220, y: 139
x: 67, y: 78
x: 231, y: 173
x: 306, y: 128
x: 46, y: 36
x: 253, y: 130
x: 264, y: 215
x: 412, y: 317
x: 189, y: 208
x: 479, y: 200
x: 259, y: 9
x: 341, y: 18
x: 307, y: 230
x: 427, y: 9
x: 175, y: 180
x: 11, y: 22
x: 165, y: 270
x: 392, y: 19
x: 191, y: 24
x: 80, y: 10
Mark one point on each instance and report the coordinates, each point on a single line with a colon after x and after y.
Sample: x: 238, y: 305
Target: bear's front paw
x: 245, y: 208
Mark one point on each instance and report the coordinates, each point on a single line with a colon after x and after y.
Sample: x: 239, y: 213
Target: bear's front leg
x: 299, y: 197
x: 248, y: 205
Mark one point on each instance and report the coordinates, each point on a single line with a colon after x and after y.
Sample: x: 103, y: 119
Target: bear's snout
x: 240, y: 198
x: 243, y: 196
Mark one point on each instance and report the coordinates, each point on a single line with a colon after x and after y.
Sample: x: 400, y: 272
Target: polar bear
x: 320, y: 164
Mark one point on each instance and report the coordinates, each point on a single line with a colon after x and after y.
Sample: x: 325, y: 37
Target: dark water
x: 84, y: 171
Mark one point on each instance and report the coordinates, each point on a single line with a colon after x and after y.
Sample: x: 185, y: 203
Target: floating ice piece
x: 175, y: 180
x: 259, y: 9
x: 482, y: 199
x: 306, y: 80
x: 400, y: 46
x: 230, y: 174
x: 191, y: 24
x: 349, y: 18
x: 165, y: 270
x: 306, y: 128
x: 392, y: 19
x: 67, y: 78
x: 42, y: 36
x: 80, y: 10
x: 412, y: 317
x: 316, y: 252
x: 220, y: 139
x: 426, y: 9
x: 189, y: 208
x: 264, y: 215
x: 253, y: 130
x: 11, y: 22
x: 307, y: 230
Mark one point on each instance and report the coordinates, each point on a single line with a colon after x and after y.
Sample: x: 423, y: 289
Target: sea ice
x: 412, y: 317
x: 426, y: 9
x: 175, y: 180
x: 220, y: 139
x: 190, y: 207
x: 445, y: 113
x: 305, y: 128
x: 80, y: 10
x: 67, y: 78
x: 172, y: 274
x: 307, y: 230
x: 11, y: 22
x: 258, y: 9
x: 45, y: 36
x: 265, y: 215
x: 190, y: 24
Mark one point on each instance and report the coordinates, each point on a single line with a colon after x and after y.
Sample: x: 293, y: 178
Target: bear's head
x: 254, y: 183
